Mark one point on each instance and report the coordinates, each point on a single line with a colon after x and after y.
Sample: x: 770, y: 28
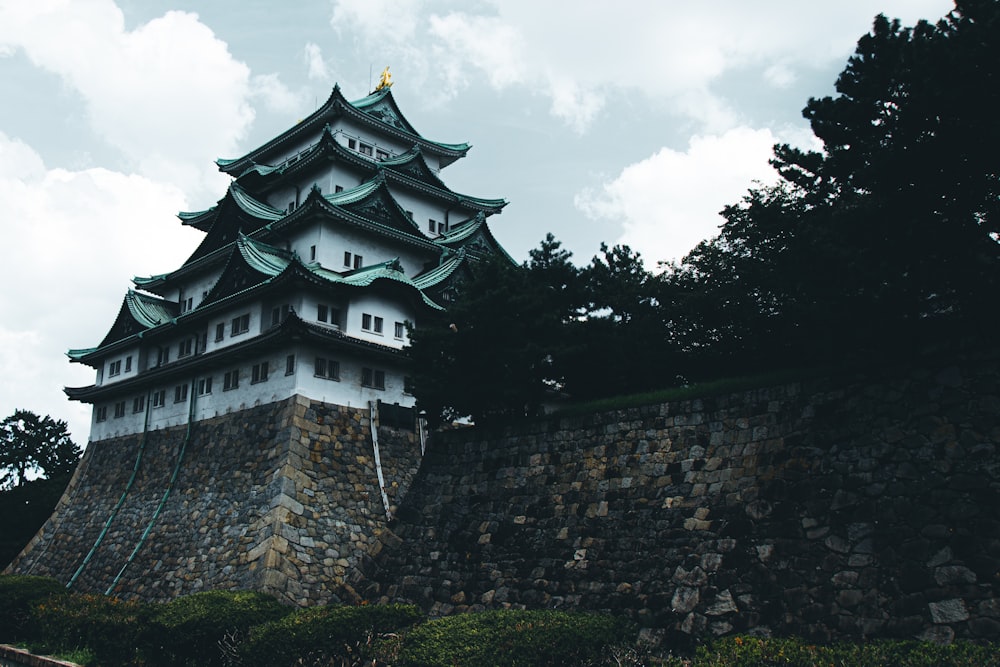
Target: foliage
x: 29, y: 443
x: 108, y: 626
x: 889, y: 234
x: 24, y: 510
x: 493, y: 357
x: 188, y: 630
x: 508, y: 638
x: 18, y: 594
x: 760, y: 652
x: 333, y: 635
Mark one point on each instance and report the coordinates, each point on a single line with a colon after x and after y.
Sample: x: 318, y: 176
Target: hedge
x: 193, y: 630
x: 18, y: 594
x: 329, y: 635
x: 510, y: 638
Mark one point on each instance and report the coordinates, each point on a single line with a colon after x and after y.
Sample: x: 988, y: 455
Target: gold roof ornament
x: 384, y: 81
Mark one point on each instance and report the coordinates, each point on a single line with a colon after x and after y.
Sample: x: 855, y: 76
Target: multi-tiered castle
x: 331, y: 238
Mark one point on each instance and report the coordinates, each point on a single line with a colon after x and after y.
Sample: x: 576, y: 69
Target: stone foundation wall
x: 282, y: 498
x: 834, y: 508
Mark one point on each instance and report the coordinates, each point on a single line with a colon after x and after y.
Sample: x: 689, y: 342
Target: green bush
x: 107, y: 626
x: 18, y: 593
x: 322, y: 635
x: 515, y: 638
x: 757, y: 652
x: 189, y: 630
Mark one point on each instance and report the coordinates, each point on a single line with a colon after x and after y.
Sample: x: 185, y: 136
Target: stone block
x: 948, y: 611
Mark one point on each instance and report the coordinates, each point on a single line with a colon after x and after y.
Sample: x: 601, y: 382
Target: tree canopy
x: 33, y: 444
x: 886, y: 240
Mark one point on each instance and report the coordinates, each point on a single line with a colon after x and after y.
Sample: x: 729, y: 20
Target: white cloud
x: 80, y: 236
x: 275, y: 95
x: 670, y: 201
x: 316, y: 66
x: 580, y: 53
x: 168, y: 94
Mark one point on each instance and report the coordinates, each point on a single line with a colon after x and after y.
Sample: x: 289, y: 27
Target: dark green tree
x: 493, y: 355
x: 33, y: 444
x: 886, y: 238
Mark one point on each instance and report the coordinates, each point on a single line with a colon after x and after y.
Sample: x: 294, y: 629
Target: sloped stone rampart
x: 282, y: 498
x: 828, y: 508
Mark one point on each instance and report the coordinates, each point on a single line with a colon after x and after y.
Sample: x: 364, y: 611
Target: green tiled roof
x: 147, y: 310
x: 254, y: 207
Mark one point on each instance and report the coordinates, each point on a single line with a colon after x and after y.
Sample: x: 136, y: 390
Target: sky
x: 619, y: 122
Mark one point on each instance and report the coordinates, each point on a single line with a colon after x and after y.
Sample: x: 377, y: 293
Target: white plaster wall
x: 279, y: 385
x: 388, y: 311
x: 104, y: 376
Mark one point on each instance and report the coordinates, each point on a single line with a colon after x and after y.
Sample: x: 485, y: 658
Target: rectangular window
x: 278, y: 314
x: 231, y: 380
x: 327, y: 368
x: 184, y: 348
x: 162, y: 356
x: 220, y: 331
x: 258, y: 373
x: 381, y: 155
x: 432, y: 226
x: 159, y: 398
x: 407, y: 385
x: 352, y: 144
x: 357, y: 261
x: 114, y: 368
x: 119, y: 409
x: 378, y: 325
x: 101, y: 413
x: 365, y: 149
x: 202, y: 343
x: 347, y: 259
x: 442, y: 228
x: 322, y: 312
x: 180, y: 393
x: 189, y: 304
x: 138, y: 404
x: 338, y: 188
x: 400, y: 330
x: 240, y: 325
x: 205, y: 386
x: 128, y: 363
x: 372, y: 378
x: 312, y: 253
x: 366, y: 322
x: 290, y: 364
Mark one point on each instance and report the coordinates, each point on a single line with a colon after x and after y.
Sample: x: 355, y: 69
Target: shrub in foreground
x: 108, y: 626
x: 757, y: 652
x: 508, y: 638
x: 188, y: 630
x: 328, y: 635
x: 18, y: 593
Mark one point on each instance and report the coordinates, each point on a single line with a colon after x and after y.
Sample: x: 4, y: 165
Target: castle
x: 330, y: 239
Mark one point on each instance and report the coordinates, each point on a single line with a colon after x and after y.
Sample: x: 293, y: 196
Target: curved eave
x: 439, y: 273
x: 456, y: 238
x: 201, y: 220
x: 335, y: 106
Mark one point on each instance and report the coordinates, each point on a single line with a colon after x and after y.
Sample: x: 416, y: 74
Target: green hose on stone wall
x: 166, y: 493
x: 121, y: 501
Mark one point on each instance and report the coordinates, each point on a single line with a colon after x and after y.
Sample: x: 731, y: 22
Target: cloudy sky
x: 624, y: 122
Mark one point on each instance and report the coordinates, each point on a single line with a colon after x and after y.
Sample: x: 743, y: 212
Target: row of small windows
x: 322, y: 367
x: 367, y: 149
x: 115, y: 367
x: 376, y: 324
